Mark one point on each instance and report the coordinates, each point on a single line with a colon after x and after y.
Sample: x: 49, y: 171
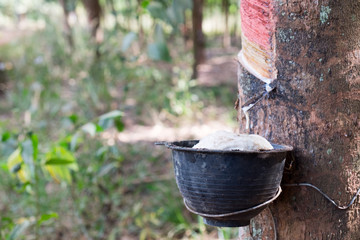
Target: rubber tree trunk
x: 227, y: 36
x: 94, y: 11
x: 310, y: 51
x: 186, y: 31
x: 3, y: 79
x: 198, y: 35
x: 141, y: 35
x: 67, y: 28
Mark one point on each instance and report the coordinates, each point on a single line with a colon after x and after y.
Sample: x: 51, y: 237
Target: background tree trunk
x: 93, y: 10
x: 316, y: 109
x: 227, y: 36
x: 198, y: 34
x: 141, y: 35
x: 67, y: 28
x: 3, y: 79
x: 186, y: 32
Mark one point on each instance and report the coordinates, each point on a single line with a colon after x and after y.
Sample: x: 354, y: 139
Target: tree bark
x: 93, y: 10
x: 3, y: 79
x: 141, y: 35
x: 185, y: 30
x: 315, y: 108
x: 67, y: 27
x: 198, y: 35
x: 227, y: 37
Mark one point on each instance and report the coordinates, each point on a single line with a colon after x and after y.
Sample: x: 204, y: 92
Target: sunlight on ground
x: 160, y: 132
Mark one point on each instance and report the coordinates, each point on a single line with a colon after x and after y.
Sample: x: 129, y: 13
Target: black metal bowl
x: 227, y: 188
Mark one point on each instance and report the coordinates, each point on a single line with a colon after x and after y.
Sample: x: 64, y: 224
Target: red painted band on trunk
x: 257, y: 21
x: 258, y: 33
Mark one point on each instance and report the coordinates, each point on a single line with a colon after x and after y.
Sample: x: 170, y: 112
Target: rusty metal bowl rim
x: 174, y: 146
x: 237, y: 212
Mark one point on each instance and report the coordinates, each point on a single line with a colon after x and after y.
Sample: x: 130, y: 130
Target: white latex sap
x: 223, y: 140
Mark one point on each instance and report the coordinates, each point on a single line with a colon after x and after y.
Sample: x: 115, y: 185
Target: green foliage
x: 46, y: 217
x: 17, y: 167
x: 159, y: 51
x: 59, y: 162
x: 18, y: 230
x: 63, y: 171
x: 228, y: 233
x: 128, y: 40
x: 169, y: 13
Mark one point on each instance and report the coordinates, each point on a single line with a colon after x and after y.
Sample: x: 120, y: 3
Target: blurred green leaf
x: 73, y: 118
x: 73, y: 142
x: 106, y: 123
x: 113, y: 234
x: 233, y: 9
x: 18, y: 230
x: 27, y: 155
x: 58, y: 161
x: 176, y: 11
x: 101, y: 152
x: 58, y: 170
x: 128, y: 40
x: 186, y: 4
x: 159, y: 34
x: 60, y: 152
x: 107, y: 168
x: 35, y: 143
x: 5, y: 136
x: 119, y: 124
x: 89, y: 128
x: 6, y: 221
x: 159, y: 52
x: 143, y: 234
x: 16, y: 168
x: 115, y: 151
x: 14, y: 161
x: 99, y: 128
x: 172, y: 16
x: 111, y: 115
x: 145, y: 3
x: 107, y: 120
x: 4, y: 167
x: 46, y: 217
x: 200, y: 221
x: 59, y: 173
x: 157, y: 10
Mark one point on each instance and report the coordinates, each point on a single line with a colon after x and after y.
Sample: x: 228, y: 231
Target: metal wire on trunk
x: 322, y: 193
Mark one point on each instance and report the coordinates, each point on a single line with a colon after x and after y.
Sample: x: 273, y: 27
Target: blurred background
x: 86, y: 88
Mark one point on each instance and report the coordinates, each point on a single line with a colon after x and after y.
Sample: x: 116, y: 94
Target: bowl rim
x: 173, y: 146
